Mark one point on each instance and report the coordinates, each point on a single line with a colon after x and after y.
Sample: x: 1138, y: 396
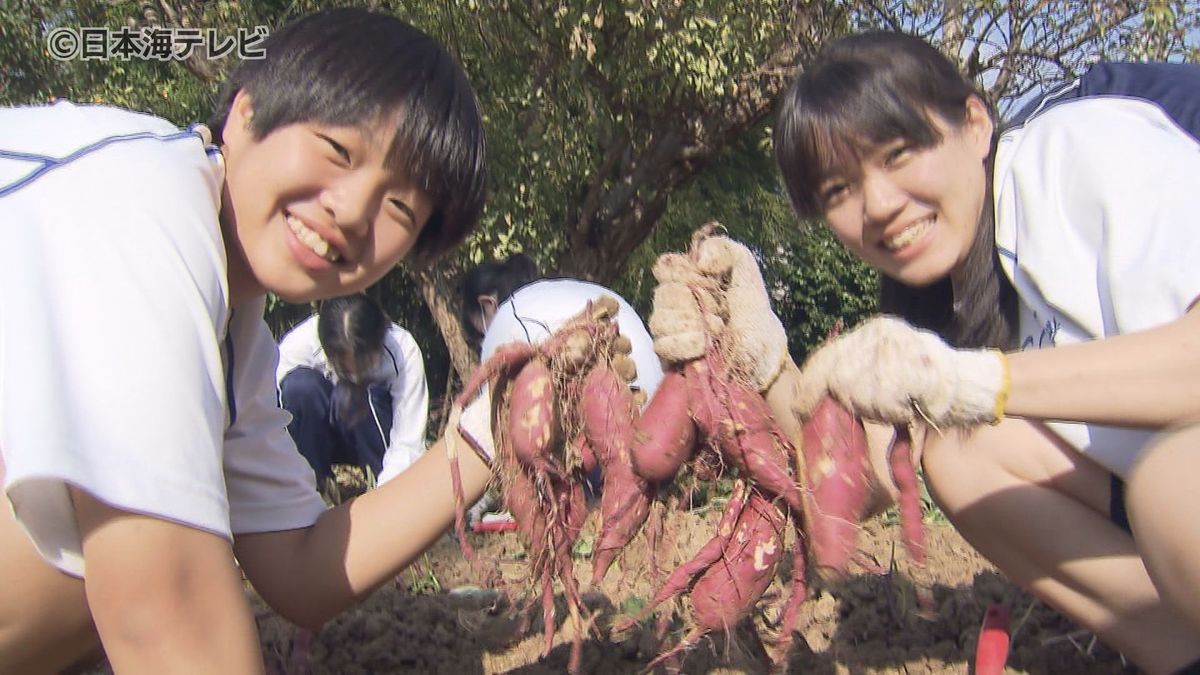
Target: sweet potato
x: 532, y: 419
x: 506, y: 359
x: 608, y: 413
x: 790, y: 614
x: 522, y: 500
x: 572, y: 509
x: 728, y: 588
x: 739, y: 422
x: 728, y: 591
x: 665, y: 435
x: 836, y: 471
x: 545, y: 451
x: 681, y: 577
x: 587, y: 457
x: 551, y: 530
x: 904, y: 474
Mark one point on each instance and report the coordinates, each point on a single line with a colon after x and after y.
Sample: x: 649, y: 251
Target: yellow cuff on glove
x: 1005, y: 387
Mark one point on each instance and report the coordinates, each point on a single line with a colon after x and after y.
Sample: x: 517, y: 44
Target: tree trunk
x: 626, y: 198
x: 437, y: 288
x: 646, y: 162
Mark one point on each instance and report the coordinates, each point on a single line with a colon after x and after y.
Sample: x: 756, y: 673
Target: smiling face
x: 911, y: 212
x: 310, y: 210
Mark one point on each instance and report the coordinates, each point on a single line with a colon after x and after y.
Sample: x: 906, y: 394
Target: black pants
x: 1116, y: 504
x: 327, y: 435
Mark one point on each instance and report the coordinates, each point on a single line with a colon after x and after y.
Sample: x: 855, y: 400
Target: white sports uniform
x: 402, y: 368
x: 536, y: 310
x: 1096, y: 195
x: 122, y: 369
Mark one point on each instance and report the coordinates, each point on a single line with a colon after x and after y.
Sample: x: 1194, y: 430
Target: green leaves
x: 615, y: 127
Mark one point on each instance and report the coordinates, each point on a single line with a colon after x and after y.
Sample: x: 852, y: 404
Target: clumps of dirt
x: 434, y: 620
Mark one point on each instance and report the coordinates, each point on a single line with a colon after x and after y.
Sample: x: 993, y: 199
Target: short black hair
x: 353, y: 66
x: 494, y: 277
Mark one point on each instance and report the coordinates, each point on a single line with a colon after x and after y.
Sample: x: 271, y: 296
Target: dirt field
x: 433, y: 620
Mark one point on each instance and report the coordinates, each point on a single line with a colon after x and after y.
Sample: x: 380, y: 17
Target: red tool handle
x: 991, y: 652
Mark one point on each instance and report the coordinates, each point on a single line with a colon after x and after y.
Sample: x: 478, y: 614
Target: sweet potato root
x: 608, y: 417
x: 729, y: 590
x: 507, y: 358
x: 543, y: 451
x: 666, y: 435
x: 836, y: 472
x: 904, y: 474
x: 731, y: 571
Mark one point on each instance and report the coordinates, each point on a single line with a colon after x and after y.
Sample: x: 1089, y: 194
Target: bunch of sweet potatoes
x: 819, y: 482
x: 560, y: 409
x: 564, y: 407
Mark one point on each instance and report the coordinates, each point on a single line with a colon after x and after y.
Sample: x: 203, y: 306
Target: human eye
x: 832, y: 192
x: 342, y: 152
x: 897, y: 152
x: 402, y: 212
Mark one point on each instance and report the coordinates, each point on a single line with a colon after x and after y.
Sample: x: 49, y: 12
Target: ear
x: 237, y: 128
x: 487, y: 308
x: 978, y: 126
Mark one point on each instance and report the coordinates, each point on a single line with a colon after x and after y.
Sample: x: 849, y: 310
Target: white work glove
x: 716, y: 292
x: 474, y: 424
x: 888, y: 371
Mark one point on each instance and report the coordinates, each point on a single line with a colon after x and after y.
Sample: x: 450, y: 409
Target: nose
x: 883, y: 199
x: 352, y: 202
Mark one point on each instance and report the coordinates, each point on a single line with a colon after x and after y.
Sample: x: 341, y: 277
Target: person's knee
x: 1158, y: 466
x: 48, y: 641
x: 304, y: 388
x: 944, y: 464
x: 1162, y: 516
x: 962, y: 468
x: 1162, y: 475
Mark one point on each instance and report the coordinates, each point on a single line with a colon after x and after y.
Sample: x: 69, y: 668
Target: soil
x: 434, y: 619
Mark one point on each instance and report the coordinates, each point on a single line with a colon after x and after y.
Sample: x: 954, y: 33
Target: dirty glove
x: 717, y: 292
x: 888, y: 371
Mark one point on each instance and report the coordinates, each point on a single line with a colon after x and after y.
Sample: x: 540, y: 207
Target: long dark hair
x: 494, y: 277
x: 352, y: 327
x: 351, y: 66
x: 869, y: 89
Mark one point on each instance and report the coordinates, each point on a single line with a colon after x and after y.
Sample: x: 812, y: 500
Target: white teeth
x: 313, y: 240
x: 909, y: 235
